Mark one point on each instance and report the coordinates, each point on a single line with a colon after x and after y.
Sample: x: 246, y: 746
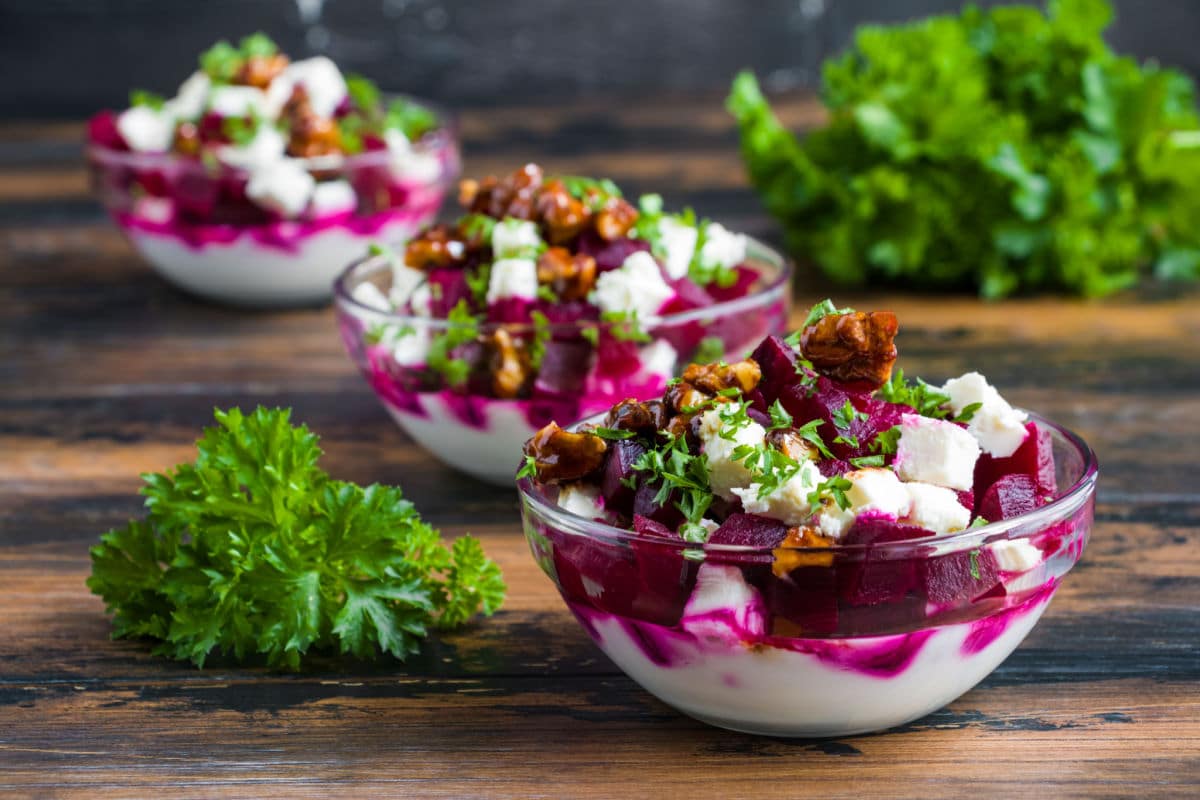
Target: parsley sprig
x: 253, y: 549
x: 920, y: 396
x: 463, y: 329
x: 679, y: 473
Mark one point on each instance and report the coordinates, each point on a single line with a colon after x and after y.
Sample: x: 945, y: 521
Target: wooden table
x: 106, y: 372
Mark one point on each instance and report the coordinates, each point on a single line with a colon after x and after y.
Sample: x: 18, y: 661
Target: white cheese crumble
x: 679, y: 243
x: 722, y: 247
x: 658, y: 358
x: 636, y: 287
x: 582, y: 500
x: 936, y: 508
x: 998, y: 427
x: 405, y: 281
x: 238, y: 101
x: 283, y: 186
x: 420, y: 302
x: 872, y: 489
x: 512, y: 237
x: 725, y: 474
x: 188, y: 103
x: 935, y: 451
x: 265, y: 149
x: 409, y: 163
x: 370, y: 296
x: 788, y: 503
x: 322, y: 82
x: 146, y: 129
x: 512, y: 277
x: 333, y: 197
x: 1016, y: 555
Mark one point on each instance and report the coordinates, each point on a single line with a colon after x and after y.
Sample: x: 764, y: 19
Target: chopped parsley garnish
x: 780, y: 418
x: 835, y: 489
x: 920, y: 396
x: 141, y: 97
x: 241, y: 130
x: 820, y: 311
x: 591, y: 334
x: 364, y: 94
x: 693, y: 532
x: 528, y: 469
x: 221, y: 62
x: 975, y: 564
x: 650, y: 213
x: 867, y: 461
x: 968, y: 412
x: 978, y: 522
x: 678, y: 471
x: 886, y: 442
x: 541, y: 335
x: 411, y: 119
x: 478, y: 280
x: 613, y: 434
x: 477, y: 227
x: 733, y: 418
x: 845, y: 416
x: 595, y: 192
x: 808, y: 432
x: 463, y: 329
x: 769, y: 468
x: 848, y: 439
x: 624, y: 326
x: 710, y: 349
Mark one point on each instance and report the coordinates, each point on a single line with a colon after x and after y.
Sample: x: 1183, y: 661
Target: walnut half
x: 858, y: 347
x: 564, y: 456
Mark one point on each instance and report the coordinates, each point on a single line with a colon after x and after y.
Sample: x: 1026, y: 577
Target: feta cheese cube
x: 512, y: 277
x: 512, y: 237
x: 410, y: 348
x: 636, y: 287
x: 420, y: 302
x: 723, y: 606
x: 188, y: 103
x: 834, y: 521
x: 370, y: 296
x: 789, y: 502
x: 333, y: 197
x: 1016, y: 555
x: 266, y: 148
x: 146, y: 129
x: 283, y: 186
x: 322, y: 82
x: 408, y: 163
x: 679, y: 243
x: 877, y: 489
x: 998, y: 427
x: 935, y: 451
x: 405, y: 281
x: 725, y: 474
x: 237, y: 101
x: 935, y: 508
x: 658, y: 358
x: 582, y: 500
x: 722, y: 247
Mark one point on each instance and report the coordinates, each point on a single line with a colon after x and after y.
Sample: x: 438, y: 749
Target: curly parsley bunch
x: 1006, y: 150
x: 253, y: 549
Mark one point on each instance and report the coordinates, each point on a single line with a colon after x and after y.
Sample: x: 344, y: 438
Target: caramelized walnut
x: 507, y: 364
x: 512, y: 196
x: 570, y: 276
x: 187, y: 139
x: 615, y: 219
x: 436, y: 246
x: 788, y: 558
x: 259, y: 71
x: 563, y: 217
x: 853, y: 348
x: 564, y: 456
x: 790, y: 443
x: 682, y: 395
x: 630, y: 415
x: 713, y: 378
x: 313, y: 136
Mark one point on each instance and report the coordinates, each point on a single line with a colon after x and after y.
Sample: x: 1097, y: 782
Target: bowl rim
x: 344, y: 300
x: 442, y: 138
x: 1061, y: 508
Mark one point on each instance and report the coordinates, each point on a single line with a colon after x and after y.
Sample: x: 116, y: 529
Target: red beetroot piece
x: 618, y: 467
x: 748, y: 530
x: 1008, y: 497
x: 958, y: 578
x: 1035, y: 458
x: 875, y: 577
x: 778, y: 364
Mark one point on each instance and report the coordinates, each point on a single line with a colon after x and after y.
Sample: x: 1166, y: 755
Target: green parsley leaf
x: 364, y: 94
x: 693, y: 532
x: 808, y: 432
x: 968, y: 412
x: 978, y: 522
x: 678, y: 473
x: 478, y: 279
x: 833, y: 489
x: 710, y: 350
x: 845, y: 416
x: 541, y: 335
x: 624, y: 326
x: 780, y: 418
x: 613, y: 434
x: 463, y: 329
x: 886, y: 442
x: 221, y: 62
x: 528, y: 469
x: 477, y: 227
x: 819, y: 312
x: 253, y: 549
x: 925, y: 399
x: 975, y: 564
x: 141, y: 97
x: 867, y: 461
x: 591, y: 334
x: 241, y: 130
x: 411, y: 119
x: 591, y: 190
x: 258, y: 45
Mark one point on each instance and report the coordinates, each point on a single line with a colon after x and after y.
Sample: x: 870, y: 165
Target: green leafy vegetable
x: 1007, y: 149
x: 681, y: 475
x: 925, y: 399
x: 817, y: 313
x: 463, y: 328
x: 613, y: 434
x: 710, y: 350
x: 541, y: 335
x: 254, y: 550
x: 968, y: 412
x: 411, y: 119
x: 141, y: 97
x: 624, y: 326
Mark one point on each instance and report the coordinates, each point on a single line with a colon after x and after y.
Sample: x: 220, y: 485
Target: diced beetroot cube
x: 567, y: 314
x: 966, y: 498
x: 565, y: 367
x: 211, y: 129
x: 778, y: 364
x: 609, y: 255
x: 958, y: 578
x: 616, y: 358
x: 807, y: 598
x: 603, y: 575
x: 1008, y: 497
x: 451, y: 287
x: 1035, y: 458
x: 876, y: 577
x: 746, y: 276
x: 541, y: 410
x: 687, y: 297
x: 880, y: 416
x: 748, y: 530
x: 874, y: 529
x: 102, y: 131
x: 825, y: 398
x: 618, y: 467
x: 648, y: 527
x: 666, y: 580
x: 685, y: 337
x: 644, y: 503
x: 834, y: 466
x: 195, y: 195
x: 509, y: 309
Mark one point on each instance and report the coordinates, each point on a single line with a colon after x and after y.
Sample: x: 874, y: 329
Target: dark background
x: 67, y: 58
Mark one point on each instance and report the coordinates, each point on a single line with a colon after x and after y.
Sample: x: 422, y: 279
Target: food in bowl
x: 804, y: 542
x: 551, y: 298
x: 263, y: 176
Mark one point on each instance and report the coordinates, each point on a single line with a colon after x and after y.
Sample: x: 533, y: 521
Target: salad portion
x: 549, y: 298
x: 808, y: 512
x: 259, y: 159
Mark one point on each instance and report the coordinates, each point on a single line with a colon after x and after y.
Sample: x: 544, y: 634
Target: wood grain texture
x: 106, y: 372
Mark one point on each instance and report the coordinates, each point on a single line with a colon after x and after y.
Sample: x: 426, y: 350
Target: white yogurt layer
x: 778, y: 692
x: 244, y: 272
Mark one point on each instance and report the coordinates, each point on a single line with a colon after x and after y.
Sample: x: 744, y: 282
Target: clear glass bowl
x: 475, y: 432
x: 808, y: 641
x: 192, y: 220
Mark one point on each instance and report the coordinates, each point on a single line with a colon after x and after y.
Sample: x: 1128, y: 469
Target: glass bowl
x: 192, y: 220
x: 814, y: 642
x: 585, y: 369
